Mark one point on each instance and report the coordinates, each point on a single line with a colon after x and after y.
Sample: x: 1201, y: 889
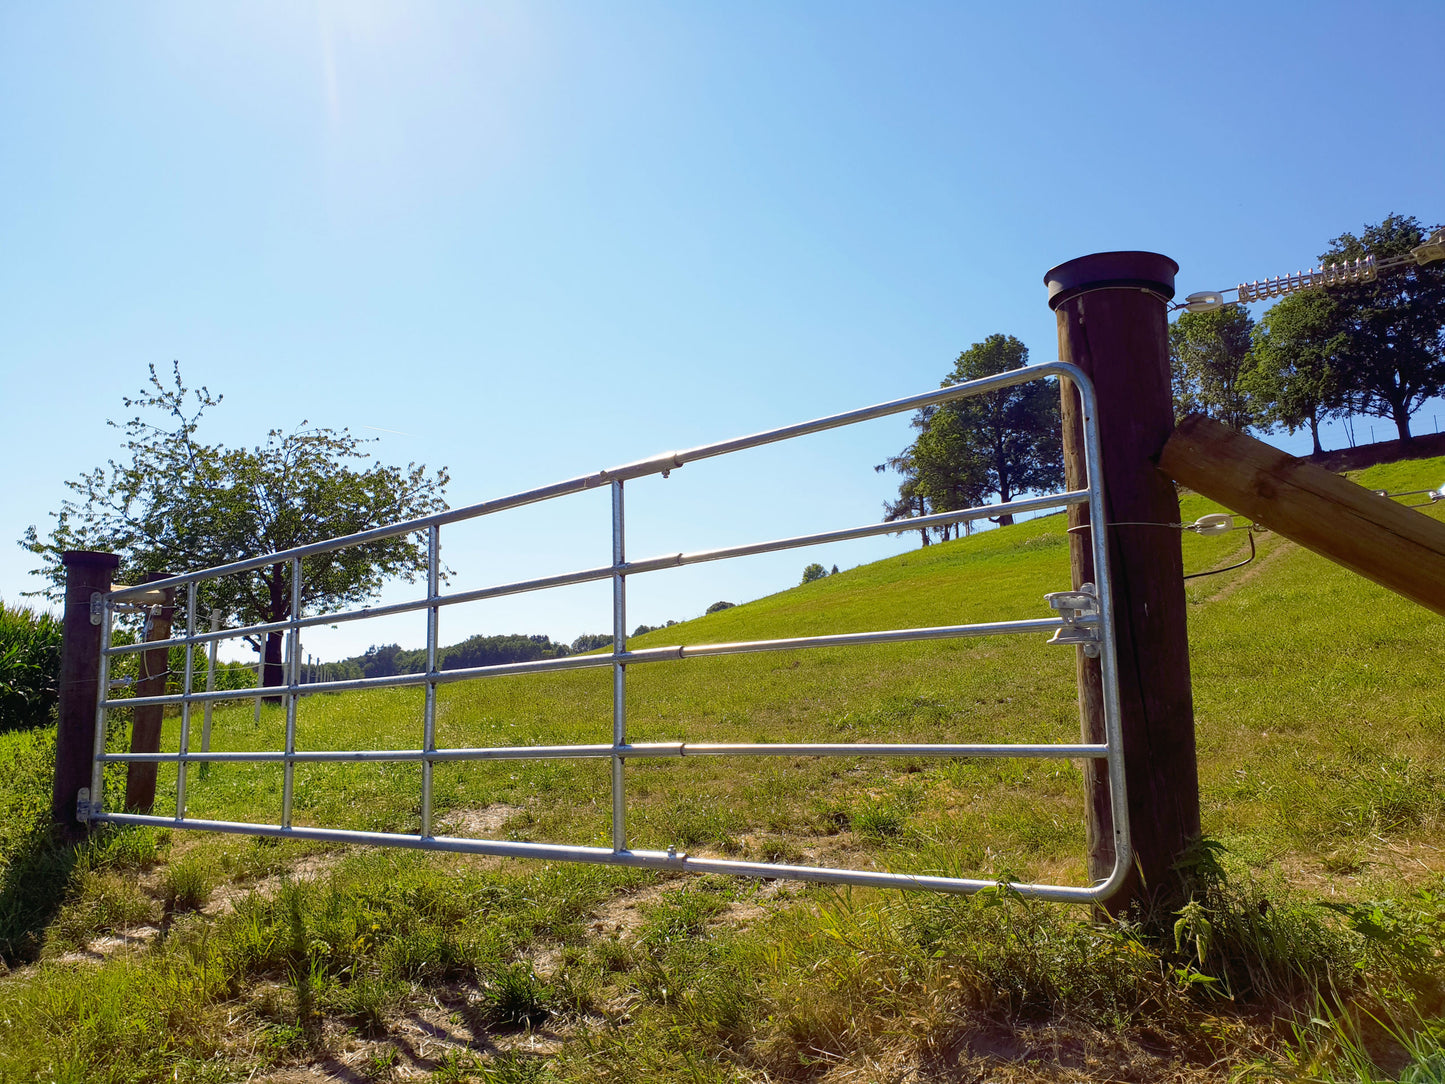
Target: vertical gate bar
x: 1108, y: 655
x: 293, y: 653
x: 97, y: 769
x: 190, y: 673
x: 429, y: 742
x: 619, y: 670
x: 210, y: 687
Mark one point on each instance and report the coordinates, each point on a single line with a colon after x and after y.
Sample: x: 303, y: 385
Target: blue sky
x: 527, y: 241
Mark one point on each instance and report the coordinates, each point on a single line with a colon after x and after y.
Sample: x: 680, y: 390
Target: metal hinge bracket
x: 84, y: 807
x: 97, y: 607
x: 1072, y: 605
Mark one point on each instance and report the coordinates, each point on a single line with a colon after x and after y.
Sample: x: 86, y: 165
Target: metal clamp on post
x: 84, y: 809
x: 1071, y: 606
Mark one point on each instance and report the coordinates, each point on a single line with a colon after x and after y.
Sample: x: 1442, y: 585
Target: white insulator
x: 1214, y: 523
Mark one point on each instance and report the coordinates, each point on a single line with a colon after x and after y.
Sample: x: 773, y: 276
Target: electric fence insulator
x: 1334, y: 274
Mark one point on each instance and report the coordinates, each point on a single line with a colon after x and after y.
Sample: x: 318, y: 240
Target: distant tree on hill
x: 1005, y: 442
x: 1391, y: 332
x: 1295, y: 380
x: 1210, y: 357
x: 718, y: 607
x: 591, y: 642
x: 813, y: 572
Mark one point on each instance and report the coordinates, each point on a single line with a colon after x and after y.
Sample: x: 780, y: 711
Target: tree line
x: 1372, y: 348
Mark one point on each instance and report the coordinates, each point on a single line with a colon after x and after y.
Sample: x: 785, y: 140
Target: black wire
x: 1226, y: 568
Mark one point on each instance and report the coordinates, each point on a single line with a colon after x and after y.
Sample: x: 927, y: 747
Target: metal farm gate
x: 1081, y: 616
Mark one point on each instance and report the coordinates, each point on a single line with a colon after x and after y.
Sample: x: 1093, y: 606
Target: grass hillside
x: 1310, y: 949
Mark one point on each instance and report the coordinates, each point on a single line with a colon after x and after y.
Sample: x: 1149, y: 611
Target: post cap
x: 1111, y: 270
x: 90, y: 557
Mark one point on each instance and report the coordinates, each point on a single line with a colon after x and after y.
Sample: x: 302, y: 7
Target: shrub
x: 29, y: 667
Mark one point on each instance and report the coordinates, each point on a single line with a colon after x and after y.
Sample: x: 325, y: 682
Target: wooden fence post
x: 145, y: 728
x: 1112, y: 315
x: 87, y: 573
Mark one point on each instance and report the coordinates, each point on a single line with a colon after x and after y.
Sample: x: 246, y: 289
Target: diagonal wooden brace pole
x: 1395, y: 546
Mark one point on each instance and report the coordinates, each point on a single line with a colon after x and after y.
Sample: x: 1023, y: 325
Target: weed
x: 514, y: 997
x: 365, y: 1002
x: 186, y: 886
x: 678, y: 916
x: 513, y: 1068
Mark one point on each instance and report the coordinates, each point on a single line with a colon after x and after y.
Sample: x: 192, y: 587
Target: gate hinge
x: 1072, y: 605
x: 84, y: 807
x: 97, y: 607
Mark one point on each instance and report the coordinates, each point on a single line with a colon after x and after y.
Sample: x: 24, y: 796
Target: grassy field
x: 1309, y: 948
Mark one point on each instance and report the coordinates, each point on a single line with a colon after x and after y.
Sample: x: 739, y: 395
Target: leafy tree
x: 1006, y: 442
x: 813, y: 572
x: 718, y: 607
x: 1391, y: 331
x: 177, y: 504
x: 1209, y: 355
x: 1295, y: 379
x: 911, y: 502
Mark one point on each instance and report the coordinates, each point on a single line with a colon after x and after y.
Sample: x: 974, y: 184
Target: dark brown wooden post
x: 145, y: 728
x: 87, y: 573
x: 1112, y: 316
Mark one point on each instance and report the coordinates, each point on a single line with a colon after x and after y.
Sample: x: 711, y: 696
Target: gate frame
x: 1076, y: 624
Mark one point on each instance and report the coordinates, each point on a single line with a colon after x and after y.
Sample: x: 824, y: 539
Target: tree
x: 813, y: 572
x: 1391, y: 331
x: 1209, y: 355
x: 1005, y: 442
x: 179, y: 504
x: 1295, y: 378
x: 911, y: 503
x: 719, y: 607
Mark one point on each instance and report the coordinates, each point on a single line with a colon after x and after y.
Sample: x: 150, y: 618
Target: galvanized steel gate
x: 1083, y: 617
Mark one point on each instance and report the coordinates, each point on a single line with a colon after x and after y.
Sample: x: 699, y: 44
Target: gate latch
x: 1072, y: 605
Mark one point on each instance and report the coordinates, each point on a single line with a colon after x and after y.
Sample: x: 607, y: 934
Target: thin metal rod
x: 653, y: 564
x: 657, y: 464
x: 619, y: 670
x: 215, y: 646
x: 187, y: 679
x: 641, y: 859
x: 293, y: 659
x: 643, y: 749
x: 1108, y: 656
x: 654, y: 654
x: 429, y: 735
x: 97, y: 771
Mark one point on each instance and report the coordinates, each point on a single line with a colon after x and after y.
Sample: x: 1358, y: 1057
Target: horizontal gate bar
x: 664, y: 860
x: 648, y: 654
x: 638, y: 750
x: 658, y: 464
x: 631, y: 568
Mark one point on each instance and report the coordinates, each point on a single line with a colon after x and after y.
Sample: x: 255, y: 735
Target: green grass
x: 1310, y: 948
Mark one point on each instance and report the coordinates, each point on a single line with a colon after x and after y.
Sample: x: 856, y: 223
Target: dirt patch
x: 484, y: 823
x: 311, y: 867
x: 102, y: 948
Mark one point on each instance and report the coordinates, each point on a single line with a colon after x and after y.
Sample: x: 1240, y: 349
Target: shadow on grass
x: 32, y: 889
x: 35, y: 862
